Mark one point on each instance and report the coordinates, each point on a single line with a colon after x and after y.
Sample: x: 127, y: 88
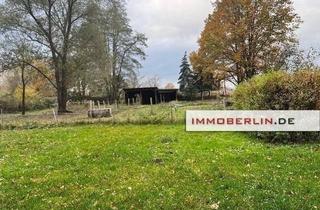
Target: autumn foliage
x: 243, y: 38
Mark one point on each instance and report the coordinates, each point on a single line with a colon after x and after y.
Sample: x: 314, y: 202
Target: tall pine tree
x: 186, y: 78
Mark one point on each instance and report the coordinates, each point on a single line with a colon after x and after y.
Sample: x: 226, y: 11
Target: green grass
x: 153, y: 167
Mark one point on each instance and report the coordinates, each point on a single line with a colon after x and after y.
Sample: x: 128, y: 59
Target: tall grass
x: 169, y: 113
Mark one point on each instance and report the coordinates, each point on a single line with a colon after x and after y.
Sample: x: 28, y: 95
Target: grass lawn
x: 153, y: 167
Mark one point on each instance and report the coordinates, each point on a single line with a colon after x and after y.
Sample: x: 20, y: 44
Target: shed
x: 145, y: 94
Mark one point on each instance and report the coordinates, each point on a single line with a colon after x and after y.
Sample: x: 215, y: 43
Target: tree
x: 90, y: 69
x: 107, y: 52
x: 206, y: 79
x: 243, y: 38
x: 16, y: 57
x: 51, y: 25
x: 153, y: 81
x: 21, y: 63
x: 203, y: 84
x: 187, y: 78
x: 304, y: 60
x: 170, y: 86
x: 125, y: 48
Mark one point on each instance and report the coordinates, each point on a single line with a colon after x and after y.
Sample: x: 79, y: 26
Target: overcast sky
x: 173, y: 27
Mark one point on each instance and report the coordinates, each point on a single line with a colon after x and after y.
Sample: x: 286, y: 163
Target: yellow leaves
x: 30, y: 92
x: 243, y: 36
x: 215, y: 206
x: 238, y: 56
x: 38, y: 180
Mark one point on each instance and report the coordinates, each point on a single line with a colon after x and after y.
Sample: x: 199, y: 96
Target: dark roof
x: 167, y: 90
x: 138, y: 89
x: 150, y: 88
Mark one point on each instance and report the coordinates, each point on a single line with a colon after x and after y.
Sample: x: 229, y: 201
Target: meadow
x: 142, y: 158
x: 164, y: 113
x: 107, y: 166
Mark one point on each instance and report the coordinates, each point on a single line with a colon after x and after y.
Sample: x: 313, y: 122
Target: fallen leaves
x: 215, y: 206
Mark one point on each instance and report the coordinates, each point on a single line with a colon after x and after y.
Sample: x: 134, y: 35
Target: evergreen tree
x: 186, y: 78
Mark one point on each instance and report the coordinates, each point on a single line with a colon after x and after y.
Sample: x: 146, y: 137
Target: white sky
x: 173, y: 26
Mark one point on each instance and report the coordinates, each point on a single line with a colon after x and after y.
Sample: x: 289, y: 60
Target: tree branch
x: 43, y: 74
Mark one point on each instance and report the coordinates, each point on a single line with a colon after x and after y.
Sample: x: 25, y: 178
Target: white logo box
x: 253, y: 121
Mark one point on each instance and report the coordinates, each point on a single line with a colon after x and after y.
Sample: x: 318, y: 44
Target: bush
x: 8, y: 103
x: 280, y: 90
x: 11, y: 104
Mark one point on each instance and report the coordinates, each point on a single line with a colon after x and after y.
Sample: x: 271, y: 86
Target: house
x: 146, y: 95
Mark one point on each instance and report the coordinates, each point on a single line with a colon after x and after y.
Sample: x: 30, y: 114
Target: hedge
x: 279, y: 90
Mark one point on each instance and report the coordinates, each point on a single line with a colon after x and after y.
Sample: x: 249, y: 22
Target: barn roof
x: 138, y: 89
x: 149, y: 88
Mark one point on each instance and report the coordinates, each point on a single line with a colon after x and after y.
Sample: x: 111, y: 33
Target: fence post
x: 151, y: 105
x: 54, y: 115
x: 173, y: 114
x: 91, y: 105
x: 1, y: 116
x: 90, y: 108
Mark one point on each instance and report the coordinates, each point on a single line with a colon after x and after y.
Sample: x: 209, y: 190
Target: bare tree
x: 304, y: 60
x: 153, y: 81
x: 170, y: 86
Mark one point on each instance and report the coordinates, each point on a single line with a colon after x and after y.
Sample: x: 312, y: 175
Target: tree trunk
x: 202, y: 98
x: 23, y: 101
x: 62, y: 100
x: 62, y: 91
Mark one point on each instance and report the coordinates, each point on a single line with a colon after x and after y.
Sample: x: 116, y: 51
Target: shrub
x: 280, y: 90
x: 11, y: 104
x: 305, y: 90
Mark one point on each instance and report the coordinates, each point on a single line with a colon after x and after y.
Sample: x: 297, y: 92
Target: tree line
x: 88, y: 46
